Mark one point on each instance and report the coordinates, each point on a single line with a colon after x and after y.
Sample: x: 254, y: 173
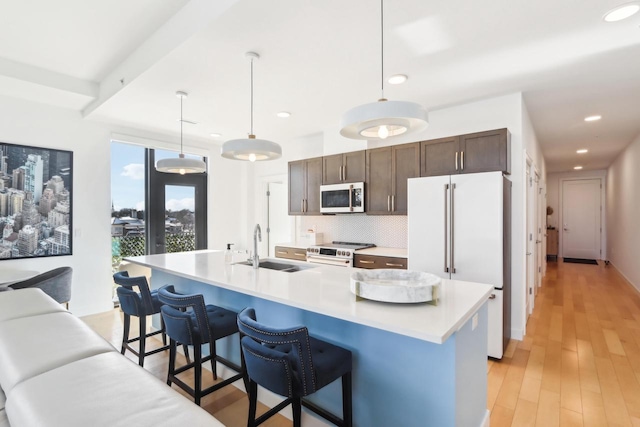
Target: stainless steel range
x: 336, y: 253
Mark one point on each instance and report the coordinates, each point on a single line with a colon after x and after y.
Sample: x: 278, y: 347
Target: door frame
x: 155, y: 203
x: 263, y: 211
x: 603, y: 211
x: 530, y: 203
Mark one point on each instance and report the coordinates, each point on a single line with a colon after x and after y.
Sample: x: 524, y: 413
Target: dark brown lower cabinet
x: 375, y: 261
x: 291, y: 253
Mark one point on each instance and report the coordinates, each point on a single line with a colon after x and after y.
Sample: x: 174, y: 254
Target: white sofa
x: 56, y: 371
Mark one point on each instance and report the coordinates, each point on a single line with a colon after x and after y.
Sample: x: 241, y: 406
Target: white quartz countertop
x: 325, y: 290
x: 390, y: 252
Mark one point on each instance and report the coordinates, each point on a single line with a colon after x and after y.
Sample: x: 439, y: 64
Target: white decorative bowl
x: 390, y: 285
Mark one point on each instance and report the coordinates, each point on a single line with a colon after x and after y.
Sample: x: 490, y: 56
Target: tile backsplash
x: 385, y: 231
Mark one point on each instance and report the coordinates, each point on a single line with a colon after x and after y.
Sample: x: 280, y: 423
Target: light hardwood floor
x: 579, y: 364
x: 229, y: 405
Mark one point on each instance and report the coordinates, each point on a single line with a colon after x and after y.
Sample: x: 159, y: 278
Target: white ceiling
x: 121, y: 61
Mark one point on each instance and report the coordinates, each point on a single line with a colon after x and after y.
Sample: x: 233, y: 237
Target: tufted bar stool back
x: 190, y: 321
x: 136, y: 299
x: 292, y: 364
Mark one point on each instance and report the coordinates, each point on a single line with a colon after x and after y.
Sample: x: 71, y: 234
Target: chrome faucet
x: 257, y: 235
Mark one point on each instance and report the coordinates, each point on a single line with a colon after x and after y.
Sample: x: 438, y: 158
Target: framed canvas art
x: 36, y: 195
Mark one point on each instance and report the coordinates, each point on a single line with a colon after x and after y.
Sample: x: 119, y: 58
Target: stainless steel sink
x: 279, y: 266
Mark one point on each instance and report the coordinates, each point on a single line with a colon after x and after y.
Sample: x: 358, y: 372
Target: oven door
x: 328, y: 260
x: 342, y: 198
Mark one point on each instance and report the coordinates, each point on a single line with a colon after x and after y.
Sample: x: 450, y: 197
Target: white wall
x: 24, y: 122
x: 623, y: 211
x: 29, y: 123
x: 554, y: 199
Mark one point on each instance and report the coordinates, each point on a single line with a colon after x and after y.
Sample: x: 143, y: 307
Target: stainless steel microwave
x: 342, y: 198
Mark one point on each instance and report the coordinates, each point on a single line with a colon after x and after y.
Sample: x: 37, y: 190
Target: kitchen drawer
x: 291, y: 253
x: 373, y: 261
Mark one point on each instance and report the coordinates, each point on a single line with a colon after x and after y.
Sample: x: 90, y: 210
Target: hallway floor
x: 579, y: 364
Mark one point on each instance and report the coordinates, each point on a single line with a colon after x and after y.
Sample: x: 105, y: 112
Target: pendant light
x: 181, y: 165
x: 382, y: 119
x: 251, y: 148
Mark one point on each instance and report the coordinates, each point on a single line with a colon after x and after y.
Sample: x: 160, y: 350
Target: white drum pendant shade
x: 394, y: 117
x: 251, y: 149
x: 181, y: 165
x: 383, y: 119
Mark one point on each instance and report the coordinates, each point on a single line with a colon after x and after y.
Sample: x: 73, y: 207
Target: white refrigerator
x: 460, y: 228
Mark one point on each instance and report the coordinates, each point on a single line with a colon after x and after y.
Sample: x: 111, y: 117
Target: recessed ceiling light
x: 621, y: 12
x: 397, y: 79
x: 592, y: 118
x: 577, y: 167
x: 283, y: 114
x: 582, y: 151
x: 216, y: 135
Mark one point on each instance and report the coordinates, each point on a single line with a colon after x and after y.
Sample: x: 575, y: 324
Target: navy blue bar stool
x: 140, y: 303
x: 189, y: 321
x: 292, y: 364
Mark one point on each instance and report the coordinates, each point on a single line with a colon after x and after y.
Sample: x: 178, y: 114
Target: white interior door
x: 540, y: 215
x: 581, y: 216
x: 279, y: 223
x: 530, y: 240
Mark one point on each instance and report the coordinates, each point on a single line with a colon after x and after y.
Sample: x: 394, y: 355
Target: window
x: 154, y: 212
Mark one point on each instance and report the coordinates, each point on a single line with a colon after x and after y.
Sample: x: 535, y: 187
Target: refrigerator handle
x: 453, y: 212
x: 446, y: 194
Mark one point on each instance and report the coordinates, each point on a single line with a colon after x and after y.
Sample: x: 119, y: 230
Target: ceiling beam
x: 48, y: 79
x: 189, y: 20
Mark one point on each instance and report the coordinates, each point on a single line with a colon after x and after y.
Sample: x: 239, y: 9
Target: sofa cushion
x: 104, y: 390
x: 33, y: 345
x: 25, y: 303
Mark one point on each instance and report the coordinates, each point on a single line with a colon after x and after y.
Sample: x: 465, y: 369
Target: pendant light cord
x: 251, y: 96
x: 382, y: 47
x: 181, y: 123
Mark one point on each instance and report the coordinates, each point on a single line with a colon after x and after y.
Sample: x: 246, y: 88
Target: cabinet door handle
x: 340, y: 173
x: 365, y: 262
x: 300, y: 254
x: 390, y: 264
x: 456, y: 160
x: 393, y: 203
x: 388, y: 203
x: 344, y: 173
x: 462, y: 160
x: 306, y: 205
x: 301, y: 205
x: 281, y: 252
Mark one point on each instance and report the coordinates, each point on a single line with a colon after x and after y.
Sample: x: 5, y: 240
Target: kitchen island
x: 413, y: 364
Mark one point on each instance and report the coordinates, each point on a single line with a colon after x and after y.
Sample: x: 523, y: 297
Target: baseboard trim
x: 629, y: 282
x: 487, y: 419
x: 517, y: 334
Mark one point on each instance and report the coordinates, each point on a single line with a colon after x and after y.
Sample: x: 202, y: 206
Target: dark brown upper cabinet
x: 387, y: 171
x: 476, y: 152
x: 342, y: 168
x: 486, y: 151
x: 305, y: 177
